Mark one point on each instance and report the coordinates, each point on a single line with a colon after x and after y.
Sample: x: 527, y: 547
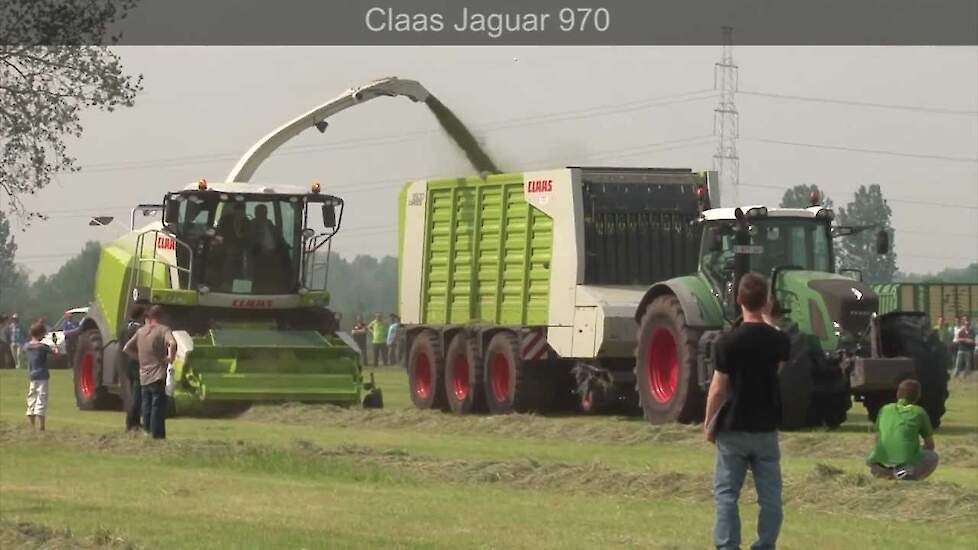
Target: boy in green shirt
x: 378, y: 333
x: 899, y: 428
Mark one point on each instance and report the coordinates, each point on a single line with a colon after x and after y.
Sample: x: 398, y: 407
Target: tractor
x: 841, y: 347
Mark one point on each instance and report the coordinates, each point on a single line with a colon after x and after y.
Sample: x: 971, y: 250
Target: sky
x: 536, y: 108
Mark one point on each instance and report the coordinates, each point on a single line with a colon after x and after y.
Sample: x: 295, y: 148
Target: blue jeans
x: 736, y: 452
x: 154, y: 410
x: 136, y: 397
x: 964, y: 362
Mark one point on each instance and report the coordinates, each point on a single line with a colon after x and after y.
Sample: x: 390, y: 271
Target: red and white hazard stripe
x: 534, y: 345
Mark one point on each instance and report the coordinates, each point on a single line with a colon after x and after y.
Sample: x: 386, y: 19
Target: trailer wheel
x: 665, y: 367
x: 90, y: 394
x: 426, y: 366
x: 510, y: 385
x: 463, y: 377
x: 911, y: 336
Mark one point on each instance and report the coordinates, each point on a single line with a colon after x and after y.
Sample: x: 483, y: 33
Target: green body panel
x: 706, y: 312
x: 948, y: 300
x: 795, y: 295
x: 486, y: 253
x: 255, y: 365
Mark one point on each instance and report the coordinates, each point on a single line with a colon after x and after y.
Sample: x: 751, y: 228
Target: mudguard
x: 700, y: 306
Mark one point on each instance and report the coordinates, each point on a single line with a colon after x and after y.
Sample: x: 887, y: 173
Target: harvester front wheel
x: 426, y: 366
x: 90, y: 394
x: 912, y: 336
x: 665, y: 366
x: 463, y: 377
x: 510, y: 383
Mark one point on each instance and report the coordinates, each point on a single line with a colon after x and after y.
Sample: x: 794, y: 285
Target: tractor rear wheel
x: 510, y: 383
x: 90, y: 394
x: 426, y: 366
x: 912, y: 336
x: 463, y: 377
x: 665, y: 366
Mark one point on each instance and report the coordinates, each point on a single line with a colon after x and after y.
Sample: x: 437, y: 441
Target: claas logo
x: 165, y: 243
x: 539, y: 186
x: 252, y: 304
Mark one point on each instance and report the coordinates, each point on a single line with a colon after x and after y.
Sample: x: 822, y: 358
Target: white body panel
x: 412, y: 257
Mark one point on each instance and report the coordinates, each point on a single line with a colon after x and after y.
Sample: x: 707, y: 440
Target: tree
x: 8, y: 250
x: 868, y: 208
x: 799, y: 196
x: 48, y: 75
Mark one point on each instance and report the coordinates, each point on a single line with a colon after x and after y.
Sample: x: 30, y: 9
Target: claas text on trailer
x: 494, y: 25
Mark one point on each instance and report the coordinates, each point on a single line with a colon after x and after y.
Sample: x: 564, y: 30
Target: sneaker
x: 901, y: 472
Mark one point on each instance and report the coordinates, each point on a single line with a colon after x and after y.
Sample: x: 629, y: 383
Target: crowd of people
x: 384, y: 338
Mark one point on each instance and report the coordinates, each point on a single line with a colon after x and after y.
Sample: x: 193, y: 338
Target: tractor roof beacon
x: 841, y: 345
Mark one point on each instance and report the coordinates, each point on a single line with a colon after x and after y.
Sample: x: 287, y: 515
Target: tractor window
x: 791, y: 241
x: 253, y: 250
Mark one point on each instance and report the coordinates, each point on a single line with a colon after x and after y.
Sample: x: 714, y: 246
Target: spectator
x: 37, y: 376
x: 964, y: 339
x: 392, y: 334
x: 69, y: 330
x: 154, y: 347
x: 16, y: 337
x: 899, y: 428
x: 743, y: 411
x: 6, y: 360
x: 378, y: 332
x: 136, y: 313
x: 359, y: 332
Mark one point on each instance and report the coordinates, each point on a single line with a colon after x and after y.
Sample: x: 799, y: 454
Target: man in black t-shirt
x: 743, y: 411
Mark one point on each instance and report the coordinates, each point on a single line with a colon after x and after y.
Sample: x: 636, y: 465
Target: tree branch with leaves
x: 50, y: 72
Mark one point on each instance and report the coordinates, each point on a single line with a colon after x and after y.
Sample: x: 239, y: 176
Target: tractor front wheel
x: 90, y: 394
x: 665, y: 366
x: 911, y: 336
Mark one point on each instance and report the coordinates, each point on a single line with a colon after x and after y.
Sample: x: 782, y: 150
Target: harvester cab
x: 841, y: 346
x: 241, y: 271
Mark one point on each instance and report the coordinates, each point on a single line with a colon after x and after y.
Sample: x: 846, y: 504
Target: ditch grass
x: 303, y: 476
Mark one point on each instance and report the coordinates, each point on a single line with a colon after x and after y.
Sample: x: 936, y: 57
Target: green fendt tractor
x: 235, y: 268
x: 840, y: 346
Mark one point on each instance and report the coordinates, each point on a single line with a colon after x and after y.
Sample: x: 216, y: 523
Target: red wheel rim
x: 422, y: 376
x: 663, y: 366
x: 460, y: 378
x: 86, y: 378
x: 499, y: 378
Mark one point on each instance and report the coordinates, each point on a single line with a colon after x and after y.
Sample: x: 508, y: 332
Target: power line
x: 860, y: 150
x: 915, y: 108
x: 908, y: 201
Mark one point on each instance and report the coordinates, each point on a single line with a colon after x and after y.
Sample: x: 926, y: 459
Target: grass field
x: 302, y: 476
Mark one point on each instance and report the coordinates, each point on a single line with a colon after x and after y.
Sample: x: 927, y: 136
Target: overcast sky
x: 535, y: 108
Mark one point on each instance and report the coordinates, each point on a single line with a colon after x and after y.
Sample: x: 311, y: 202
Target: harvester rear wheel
x: 463, y: 377
x: 426, y: 366
x: 665, y: 367
x: 512, y: 384
x: 912, y: 336
x: 90, y: 394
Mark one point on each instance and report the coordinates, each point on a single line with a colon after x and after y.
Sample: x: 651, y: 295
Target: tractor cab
x: 234, y: 239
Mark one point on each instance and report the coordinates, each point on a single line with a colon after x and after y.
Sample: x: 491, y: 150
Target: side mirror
x: 329, y: 216
x: 882, y: 242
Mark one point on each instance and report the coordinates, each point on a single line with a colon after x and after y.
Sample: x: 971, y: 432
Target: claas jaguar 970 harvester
x: 240, y: 272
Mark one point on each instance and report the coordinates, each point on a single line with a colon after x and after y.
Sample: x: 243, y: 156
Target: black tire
x: 374, y: 399
x: 795, y: 380
x: 90, y: 394
x: 874, y: 402
x: 912, y: 336
x: 426, y: 366
x: 463, y: 377
x: 831, y: 409
x: 510, y: 383
x: 665, y: 366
